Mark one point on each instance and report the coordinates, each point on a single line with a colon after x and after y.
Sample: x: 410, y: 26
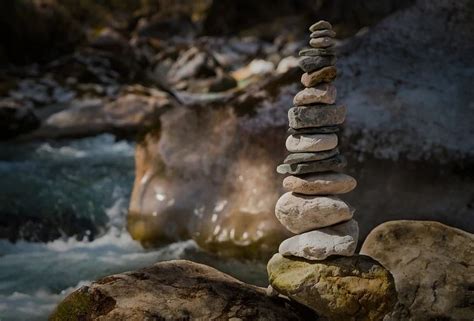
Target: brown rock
x: 326, y: 74
x: 322, y: 94
x: 320, y: 184
x: 321, y: 42
x: 323, y: 33
x: 320, y: 25
x: 316, y: 116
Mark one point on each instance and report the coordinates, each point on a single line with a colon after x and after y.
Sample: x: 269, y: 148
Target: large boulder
x: 432, y: 265
x: 353, y: 288
x: 175, y: 290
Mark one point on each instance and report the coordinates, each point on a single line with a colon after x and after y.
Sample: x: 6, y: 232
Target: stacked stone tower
x: 312, y: 208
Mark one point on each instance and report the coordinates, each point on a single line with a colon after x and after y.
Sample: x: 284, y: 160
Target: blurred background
x: 139, y: 131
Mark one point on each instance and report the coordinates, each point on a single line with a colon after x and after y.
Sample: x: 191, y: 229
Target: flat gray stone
x: 310, y: 157
x: 311, y: 142
x: 302, y: 213
x: 314, y: 130
x: 321, y: 42
x: 316, y: 116
x: 313, y: 63
x: 312, y: 52
x: 335, y: 163
x: 340, y: 239
x: 320, y: 25
x: 328, y: 183
x: 323, y: 33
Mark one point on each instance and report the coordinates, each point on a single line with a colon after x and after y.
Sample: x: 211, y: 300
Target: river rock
x: 320, y: 184
x: 326, y: 74
x: 353, y: 288
x: 335, y: 163
x: 302, y: 213
x: 310, y: 63
x: 432, y: 264
x: 323, y: 33
x: 295, y: 158
x: 316, y: 116
x: 320, y: 25
x: 311, y: 143
x: 322, y: 94
x: 321, y: 42
x: 314, y: 130
x: 317, y: 52
x: 175, y: 290
x: 340, y: 239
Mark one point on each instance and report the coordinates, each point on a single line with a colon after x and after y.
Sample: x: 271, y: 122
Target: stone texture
x: 321, y: 94
x: 335, y: 163
x: 320, y: 25
x: 313, y: 63
x: 353, y: 288
x: 432, y: 264
x: 340, y: 239
x: 301, y: 213
x: 310, y: 157
x: 320, y: 184
x: 313, y: 130
x: 175, y: 290
x: 317, y: 52
x: 321, y: 42
x: 323, y: 33
x: 316, y: 116
x: 326, y: 74
x: 311, y: 142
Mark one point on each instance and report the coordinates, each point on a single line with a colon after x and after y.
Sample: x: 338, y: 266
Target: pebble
x: 310, y: 157
x: 321, y: 42
x: 320, y: 184
x: 313, y: 63
x: 316, y: 116
x: 320, y: 25
x: 326, y: 74
x: 302, y: 213
x: 323, y: 33
x: 317, y: 52
x: 322, y: 94
x: 335, y: 163
x: 314, y: 130
x: 311, y: 143
x: 340, y: 239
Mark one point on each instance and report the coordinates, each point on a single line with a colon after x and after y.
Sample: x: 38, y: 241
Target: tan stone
x: 321, y: 94
x: 302, y: 213
x: 433, y: 267
x: 326, y: 74
x: 320, y: 184
x: 320, y: 25
x: 311, y: 142
x: 321, y: 42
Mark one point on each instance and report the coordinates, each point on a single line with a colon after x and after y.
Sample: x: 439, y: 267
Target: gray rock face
x: 432, y: 265
x: 335, y: 163
x: 300, y: 213
x: 175, y: 290
x: 322, y: 94
x: 320, y: 184
x: 313, y: 63
x: 340, y: 239
x: 316, y: 116
x: 295, y: 158
x: 311, y: 142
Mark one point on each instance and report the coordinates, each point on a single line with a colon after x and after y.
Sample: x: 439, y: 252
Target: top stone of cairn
x: 320, y: 25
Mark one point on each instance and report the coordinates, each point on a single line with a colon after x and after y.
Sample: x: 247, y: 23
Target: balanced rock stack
x: 311, y: 208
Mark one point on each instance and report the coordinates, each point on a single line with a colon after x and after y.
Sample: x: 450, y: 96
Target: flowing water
x: 64, y: 205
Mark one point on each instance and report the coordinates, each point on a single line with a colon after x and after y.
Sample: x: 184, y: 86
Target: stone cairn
x: 311, y: 209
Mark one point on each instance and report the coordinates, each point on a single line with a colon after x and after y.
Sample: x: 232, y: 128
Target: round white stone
x: 311, y: 142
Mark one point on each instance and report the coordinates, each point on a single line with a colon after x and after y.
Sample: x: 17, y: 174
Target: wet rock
x: 313, y: 63
x: 316, y: 116
x: 340, y: 288
x: 320, y: 184
x: 432, y: 267
x: 175, y: 290
x: 16, y: 119
x: 295, y: 158
x: 301, y: 213
x: 335, y: 163
x: 311, y: 143
x: 340, y: 239
x: 326, y: 74
x: 322, y: 94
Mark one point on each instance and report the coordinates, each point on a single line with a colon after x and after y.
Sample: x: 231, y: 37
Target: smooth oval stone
x: 310, y: 63
x: 311, y: 143
x: 321, y: 42
x: 314, y: 130
x: 317, y: 52
x: 302, y: 213
x: 340, y: 239
x: 316, y: 116
x: 323, y: 33
x: 326, y: 74
x: 310, y: 157
x: 322, y: 94
x: 335, y: 163
x: 320, y: 184
x: 320, y: 25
